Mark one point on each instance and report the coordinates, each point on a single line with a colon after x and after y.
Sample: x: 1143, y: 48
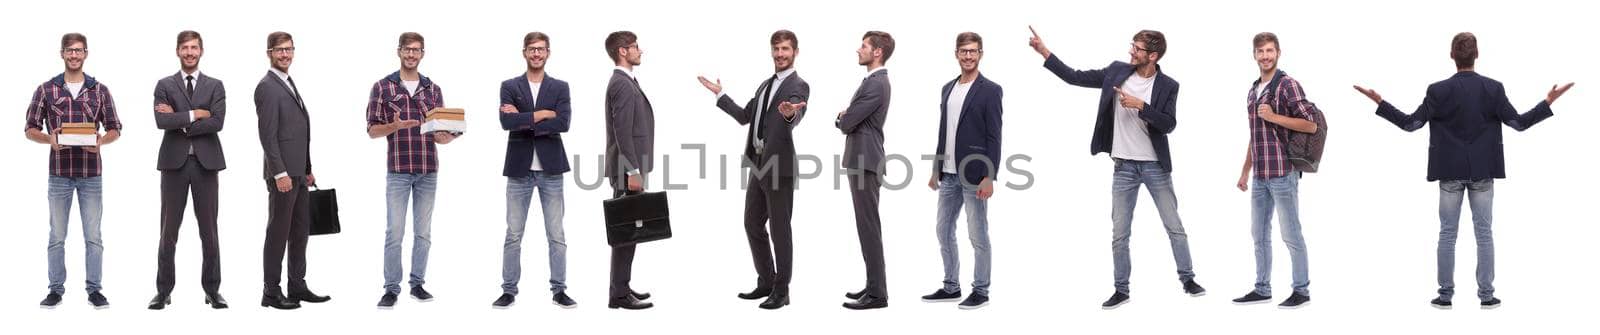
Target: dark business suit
x: 630, y: 142
x: 1464, y: 114
x: 977, y: 147
x: 285, y: 132
x: 862, y: 124
x: 190, y: 156
x: 1160, y: 114
x: 770, y: 191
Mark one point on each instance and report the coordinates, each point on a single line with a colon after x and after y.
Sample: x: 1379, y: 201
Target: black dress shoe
x: 758, y: 293
x: 160, y: 302
x: 278, y: 302
x: 775, y: 301
x: 639, y: 295
x: 307, y: 296
x: 868, y: 301
x: 628, y: 302
x: 216, y: 301
x: 855, y: 295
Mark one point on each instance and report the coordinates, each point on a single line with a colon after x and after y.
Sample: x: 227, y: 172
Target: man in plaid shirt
x: 73, y: 97
x: 397, y: 107
x: 1272, y: 116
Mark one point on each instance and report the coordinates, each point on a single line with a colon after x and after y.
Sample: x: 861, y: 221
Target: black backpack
x: 1305, y: 150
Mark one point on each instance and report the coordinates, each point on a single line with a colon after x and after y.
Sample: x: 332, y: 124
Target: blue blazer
x: 977, y: 145
x: 1160, y: 114
x: 1465, y: 113
x: 525, y: 135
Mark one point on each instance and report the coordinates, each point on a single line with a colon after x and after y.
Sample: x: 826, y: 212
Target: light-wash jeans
x: 89, y: 205
x: 1125, y: 181
x: 1282, y: 194
x: 519, y: 195
x: 1479, y: 195
x: 955, y: 194
x: 418, y: 187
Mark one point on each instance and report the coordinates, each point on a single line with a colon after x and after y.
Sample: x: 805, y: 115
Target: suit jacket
x: 630, y: 129
x: 862, y: 123
x: 1465, y: 113
x: 977, y: 131
x: 1160, y: 114
x: 181, y: 133
x: 525, y: 136
x: 285, y: 129
x: 778, y: 148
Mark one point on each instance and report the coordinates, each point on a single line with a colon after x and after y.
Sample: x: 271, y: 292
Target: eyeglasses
x: 288, y: 50
x: 536, y: 50
x: 411, y: 51
x: 75, y: 51
x: 969, y: 52
x: 1135, y: 47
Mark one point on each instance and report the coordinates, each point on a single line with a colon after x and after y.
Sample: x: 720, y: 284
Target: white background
x: 1370, y: 217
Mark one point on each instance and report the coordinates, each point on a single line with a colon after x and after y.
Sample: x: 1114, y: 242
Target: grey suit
x: 190, y: 156
x: 630, y: 142
x: 286, y: 144
x: 862, y: 124
x: 770, y: 193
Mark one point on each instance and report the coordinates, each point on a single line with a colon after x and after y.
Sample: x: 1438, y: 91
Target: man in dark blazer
x: 1138, y: 107
x: 772, y: 113
x: 1466, y: 155
x: 967, y: 160
x: 630, y: 143
x: 190, y: 107
x: 535, y: 109
x: 862, y: 124
x: 285, y: 132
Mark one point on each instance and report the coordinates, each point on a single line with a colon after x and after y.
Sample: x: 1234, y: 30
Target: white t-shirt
x: 952, y: 115
x: 73, y: 88
x: 533, y: 91
x: 411, y: 86
x: 1131, y: 138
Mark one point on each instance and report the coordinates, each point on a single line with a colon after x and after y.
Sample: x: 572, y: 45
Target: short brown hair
x: 190, y: 35
x: 1154, y: 41
x: 785, y: 35
x: 278, y: 37
x: 881, y: 40
x: 1267, y: 37
x: 618, y: 40
x: 67, y: 40
x: 535, y: 37
x: 969, y: 37
x: 1464, y: 49
x: 408, y: 37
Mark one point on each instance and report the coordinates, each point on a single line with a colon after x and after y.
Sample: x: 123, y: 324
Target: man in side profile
x: 862, y: 125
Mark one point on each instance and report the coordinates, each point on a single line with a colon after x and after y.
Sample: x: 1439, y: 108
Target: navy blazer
x: 977, y: 149
x: 1160, y: 114
x: 1465, y: 113
x: 525, y: 135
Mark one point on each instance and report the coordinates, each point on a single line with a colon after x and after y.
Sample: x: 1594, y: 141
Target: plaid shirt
x: 1270, y: 156
x: 410, y: 151
x: 52, y: 105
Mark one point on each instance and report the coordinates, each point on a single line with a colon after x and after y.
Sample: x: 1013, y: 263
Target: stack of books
x: 453, y: 120
x: 78, y: 134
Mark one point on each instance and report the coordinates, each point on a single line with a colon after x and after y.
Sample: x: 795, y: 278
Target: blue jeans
x: 1125, y: 181
x: 419, y: 188
x: 953, y: 194
x: 519, y: 195
x: 60, y: 195
x: 1283, y: 194
x: 1480, y: 195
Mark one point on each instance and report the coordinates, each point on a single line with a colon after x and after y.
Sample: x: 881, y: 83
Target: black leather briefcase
x: 324, y: 211
x: 637, y: 218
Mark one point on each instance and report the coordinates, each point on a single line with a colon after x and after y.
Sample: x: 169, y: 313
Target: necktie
x: 766, y: 108
x: 189, y: 89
